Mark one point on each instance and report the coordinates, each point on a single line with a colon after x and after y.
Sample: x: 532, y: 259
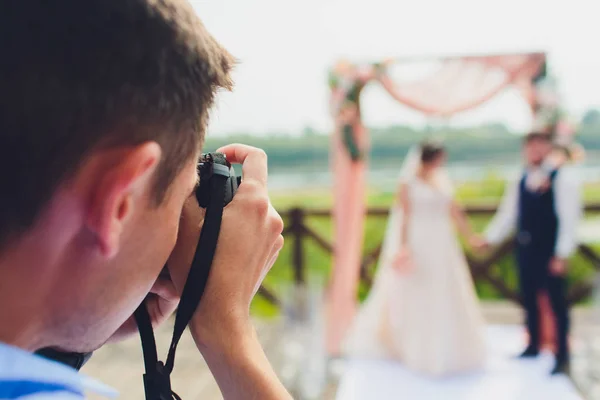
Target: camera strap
x: 157, y: 381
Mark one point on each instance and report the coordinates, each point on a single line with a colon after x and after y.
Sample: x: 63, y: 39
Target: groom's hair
x: 564, y: 149
x: 535, y: 135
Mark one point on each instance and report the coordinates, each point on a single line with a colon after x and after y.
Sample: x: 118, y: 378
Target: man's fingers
x: 557, y: 268
x: 253, y: 160
x: 274, y: 254
x: 275, y: 228
x: 271, y: 261
x: 181, y: 257
x: 275, y: 225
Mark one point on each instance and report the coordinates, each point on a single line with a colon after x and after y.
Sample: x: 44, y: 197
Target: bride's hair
x: 431, y: 150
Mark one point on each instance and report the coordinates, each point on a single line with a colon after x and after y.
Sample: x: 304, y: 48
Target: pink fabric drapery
x: 460, y: 84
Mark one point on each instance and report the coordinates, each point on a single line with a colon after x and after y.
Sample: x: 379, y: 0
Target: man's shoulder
x: 27, y: 376
x: 36, y: 390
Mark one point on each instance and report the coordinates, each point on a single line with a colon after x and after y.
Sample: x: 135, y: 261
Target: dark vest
x: 537, y: 220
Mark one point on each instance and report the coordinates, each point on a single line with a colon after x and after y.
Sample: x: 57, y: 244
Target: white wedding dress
x: 428, y: 318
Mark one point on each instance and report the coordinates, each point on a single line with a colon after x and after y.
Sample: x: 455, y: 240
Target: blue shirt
x: 26, y: 376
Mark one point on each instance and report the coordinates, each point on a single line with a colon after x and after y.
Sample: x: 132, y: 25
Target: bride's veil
x: 411, y: 164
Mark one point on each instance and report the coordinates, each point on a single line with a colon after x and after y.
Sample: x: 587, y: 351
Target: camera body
x: 209, y: 165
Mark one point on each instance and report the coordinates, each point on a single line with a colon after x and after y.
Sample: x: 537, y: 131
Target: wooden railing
x: 481, y: 268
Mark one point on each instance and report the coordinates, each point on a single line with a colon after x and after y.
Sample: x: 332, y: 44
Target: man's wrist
x: 242, y: 369
x: 231, y: 347
x: 212, y: 336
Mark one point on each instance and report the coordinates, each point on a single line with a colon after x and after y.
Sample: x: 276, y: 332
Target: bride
x: 422, y: 309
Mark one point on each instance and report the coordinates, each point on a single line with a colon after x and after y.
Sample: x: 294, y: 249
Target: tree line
x: 488, y: 143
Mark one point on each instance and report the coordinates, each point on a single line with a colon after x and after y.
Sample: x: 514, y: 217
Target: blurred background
x: 280, y: 103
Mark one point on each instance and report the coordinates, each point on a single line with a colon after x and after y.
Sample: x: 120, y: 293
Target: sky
x: 286, y: 47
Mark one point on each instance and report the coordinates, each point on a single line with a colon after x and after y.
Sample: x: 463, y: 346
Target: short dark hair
x: 534, y: 136
x: 77, y: 76
x: 431, y: 150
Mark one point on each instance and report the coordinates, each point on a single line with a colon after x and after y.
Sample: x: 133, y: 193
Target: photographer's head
x: 433, y: 154
x: 103, y: 107
x: 536, y: 147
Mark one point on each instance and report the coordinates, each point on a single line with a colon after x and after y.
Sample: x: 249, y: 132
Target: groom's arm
x: 569, y: 210
x: 505, y: 220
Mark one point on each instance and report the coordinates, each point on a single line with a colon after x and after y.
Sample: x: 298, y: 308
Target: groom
x: 544, y: 208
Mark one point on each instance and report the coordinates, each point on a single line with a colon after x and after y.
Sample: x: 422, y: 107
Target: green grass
x: 318, y: 262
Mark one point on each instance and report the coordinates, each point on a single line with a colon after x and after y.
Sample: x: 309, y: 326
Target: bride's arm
x: 405, y: 206
x: 461, y: 220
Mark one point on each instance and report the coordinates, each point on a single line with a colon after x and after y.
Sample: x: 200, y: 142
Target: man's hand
x: 249, y: 243
x: 558, y: 266
x: 161, y: 302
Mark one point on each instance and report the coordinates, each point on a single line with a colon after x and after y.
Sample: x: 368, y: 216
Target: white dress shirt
x: 26, y: 376
x: 567, y: 204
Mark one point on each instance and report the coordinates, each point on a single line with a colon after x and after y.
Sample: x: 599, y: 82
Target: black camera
x: 218, y: 184
x: 209, y: 165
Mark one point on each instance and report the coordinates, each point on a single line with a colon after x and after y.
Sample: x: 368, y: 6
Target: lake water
x: 386, y: 178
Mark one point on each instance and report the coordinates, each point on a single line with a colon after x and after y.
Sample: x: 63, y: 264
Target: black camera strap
x: 157, y: 382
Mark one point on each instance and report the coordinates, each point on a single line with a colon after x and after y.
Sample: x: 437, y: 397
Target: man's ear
x: 124, y: 182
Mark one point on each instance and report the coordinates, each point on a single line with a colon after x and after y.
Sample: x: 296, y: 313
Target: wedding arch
x: 459, y: 83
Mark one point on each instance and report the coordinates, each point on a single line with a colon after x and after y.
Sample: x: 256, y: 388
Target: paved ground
x: 120, y: 365
x: 586, y: 361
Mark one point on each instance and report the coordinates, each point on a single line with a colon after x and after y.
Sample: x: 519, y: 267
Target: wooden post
x: 297, y: 231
